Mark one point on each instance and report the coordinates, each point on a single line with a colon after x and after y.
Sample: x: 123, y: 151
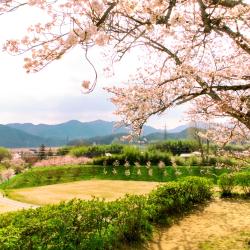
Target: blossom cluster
x: 61, y: 160
x: 189, y: 51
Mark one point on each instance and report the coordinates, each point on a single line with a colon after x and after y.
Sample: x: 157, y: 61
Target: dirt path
x: 12, y: 205
x: 220, y: 225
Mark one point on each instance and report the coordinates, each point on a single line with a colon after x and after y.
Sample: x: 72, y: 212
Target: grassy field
x: 61, y: 174
x: 110, y: 190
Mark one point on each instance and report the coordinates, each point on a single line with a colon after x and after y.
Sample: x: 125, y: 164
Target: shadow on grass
x: 160, y: 230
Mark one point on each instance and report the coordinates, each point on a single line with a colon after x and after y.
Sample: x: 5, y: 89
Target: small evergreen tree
x: 50, y: 152
x: 42, y: 152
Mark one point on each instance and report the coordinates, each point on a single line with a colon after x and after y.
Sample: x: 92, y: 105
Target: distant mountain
x: 75, y: 132
x: 14, y: 138
x: 107, y: 139
x: 184, y: 134
x: 75, y: 129
x: 178, y: 129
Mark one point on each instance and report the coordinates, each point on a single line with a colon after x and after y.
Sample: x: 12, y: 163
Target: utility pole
x: 165, y: 132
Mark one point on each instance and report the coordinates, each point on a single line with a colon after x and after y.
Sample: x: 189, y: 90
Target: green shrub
x: 78, y: 151
x: 114, y: 148
x: 155, y: 157
x: 97, y: 224
x: 242, y: 179
x: 132, y: 154
x: 194, y: 161
x: 174, y: 197
x: 226, y: 183
x: 199, y: 189
x: 96, y: 151
x: 180, y: 161
x: 236, y: 148
x: 212, y: 160
x: 4, y: 153
x: 176, y: 147
x: 63, y: 150
x: 77, y: 225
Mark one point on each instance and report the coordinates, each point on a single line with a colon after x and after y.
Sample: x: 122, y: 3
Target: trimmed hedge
x: 228, y: 182
x: 97, y: 224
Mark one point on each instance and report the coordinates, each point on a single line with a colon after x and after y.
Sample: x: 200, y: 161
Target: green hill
x: 75, y: 129
x: 14, y: 138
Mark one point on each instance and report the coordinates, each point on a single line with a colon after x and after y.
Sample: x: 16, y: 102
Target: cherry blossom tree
x: 194, y: 51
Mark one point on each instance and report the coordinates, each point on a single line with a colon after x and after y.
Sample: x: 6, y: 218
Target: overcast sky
x: 54, y: 95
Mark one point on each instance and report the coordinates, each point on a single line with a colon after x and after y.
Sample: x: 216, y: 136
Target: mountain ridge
x: 74, y: 129
x: 15, y: 135
x: 11, y: 137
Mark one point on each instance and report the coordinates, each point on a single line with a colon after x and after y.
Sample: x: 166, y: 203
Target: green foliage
x: 236, y: 147
x: 4, y: 153
x: 228, y: 182
x: 155, y: 157
x: 242, y: 179
x: 95, y: 151
x: 77, y: 225
x: 63, y: 150
x: 42, y: 152
x: 176, y: 197
x: 176, y: 147
x: 96, y: 224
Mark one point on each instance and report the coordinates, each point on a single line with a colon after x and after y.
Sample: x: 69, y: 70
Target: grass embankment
x: 61, y: 174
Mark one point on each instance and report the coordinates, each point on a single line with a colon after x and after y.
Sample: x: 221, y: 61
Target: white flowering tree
x: 194, y: 51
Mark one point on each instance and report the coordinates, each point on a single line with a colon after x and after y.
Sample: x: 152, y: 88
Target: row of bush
x: 165, y: 152
x: 176, y: 147
x: 172, y: 147
x: 93, y: 151
x: 97, y: 224
x: 228, y: 182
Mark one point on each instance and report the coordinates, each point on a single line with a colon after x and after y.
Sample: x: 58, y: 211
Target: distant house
x: 16, y: 156
x: 195, y: 153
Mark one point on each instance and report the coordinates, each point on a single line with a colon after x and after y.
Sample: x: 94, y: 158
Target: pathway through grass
x: 8, y: 205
